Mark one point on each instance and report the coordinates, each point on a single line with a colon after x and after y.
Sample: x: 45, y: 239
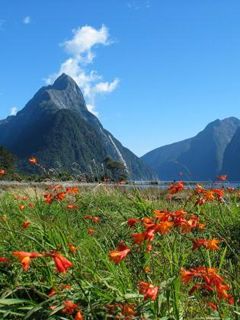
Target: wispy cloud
x: 26, y: 20
x: 13, y: 111
x: 138, y: 4
x: 80, y: 50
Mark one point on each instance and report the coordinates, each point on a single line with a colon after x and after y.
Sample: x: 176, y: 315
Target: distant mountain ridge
x: 56, y: 126
x: 202, y: 157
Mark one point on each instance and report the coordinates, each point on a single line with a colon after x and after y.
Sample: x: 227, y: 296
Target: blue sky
x: 162, y: 69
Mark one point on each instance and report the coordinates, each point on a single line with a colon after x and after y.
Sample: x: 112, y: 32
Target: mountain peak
x: 64, y: 81
x: 230, y: 121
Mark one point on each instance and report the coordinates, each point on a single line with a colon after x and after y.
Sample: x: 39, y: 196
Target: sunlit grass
x: 100, y: 288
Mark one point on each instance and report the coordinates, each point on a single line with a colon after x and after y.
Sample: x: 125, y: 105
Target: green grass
x: 96, y: 282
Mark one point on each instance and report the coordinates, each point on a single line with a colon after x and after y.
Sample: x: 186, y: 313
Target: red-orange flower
x: 2, y: 172
x: 48, y: 198
x: 212, y: 306
x: 132, y: 221
x: 148, y: 290
x: 209, y: 280
x: 72, y: 248
x: 138, y: 238
x: 52, y: 292
x: 71, y: 206
x: 25, y: 258
x: 119, y: 253
x: 79, y: 316
x: 33, y: 160
x: 69, y: 307
x: 60, y: 196
x: 211, y: 244
x: 223, y: 177
x: 4, y: 260
x: 164, y: 227
x: 26, y: 224
x: 90, y: 231
x: 72, y: 190
x: 176, y: 187
x: 62, y: 264
x: 128, y: 310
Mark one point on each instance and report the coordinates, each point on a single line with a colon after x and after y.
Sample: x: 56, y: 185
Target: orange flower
x: 147, y: 269
x: 187, y: 225
x: 96, y: 219
x: 21, y: 207
x: 210, y: 281
x: 69, y: 307
x: 208, y: 244
x: 200, y: 201
x: 176, y: 187
x: 26, y: 224
x: 148, y: 290
x: 132, y: 221
x: 138, y: 238
x: 128, y: 310
x: 212, y: 244
x: 197, y: 243
x: 209, y: 195
x: 60, y: 196
x: 199, y: 188
x: 72, y: 248
x: 79, y: 316
x: 33, y: 160
x: 164, y: 227
x: 72, y: 190
x: 25, y: 258
x: 71, y: 206
x: 93, y: 219
x: 159, y: 214
x: 62, y: 264
x: 119, y: 253
x: 212, y: 306
x: 149, y: 247
x: 91, y: 231
x: 219, y: 193
x: 52, y: 292
x: 148, y: 223
x: 2, y: 172
x: 66, y: 287
x: 223, y: 177
x: 186, y: 275
x: 48, y: 198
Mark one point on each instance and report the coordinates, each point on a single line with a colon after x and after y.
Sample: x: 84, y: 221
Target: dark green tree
x: 117, y: 169
x: 7, y: 159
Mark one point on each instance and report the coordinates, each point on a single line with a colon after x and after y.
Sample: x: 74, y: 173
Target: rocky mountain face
x: 202, y: 157
x: 56, y: 127
x: 231, y: 160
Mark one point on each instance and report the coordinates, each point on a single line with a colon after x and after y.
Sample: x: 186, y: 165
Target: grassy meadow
x: 112, y: 253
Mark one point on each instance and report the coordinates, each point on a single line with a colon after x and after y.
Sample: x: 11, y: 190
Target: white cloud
x: 137, y: 5
x: 26, y: 20
x: 80, y: 50
x: 84, y: 39
x: 13, y: 111
x: 103, y: 87
x: 91, y: 108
